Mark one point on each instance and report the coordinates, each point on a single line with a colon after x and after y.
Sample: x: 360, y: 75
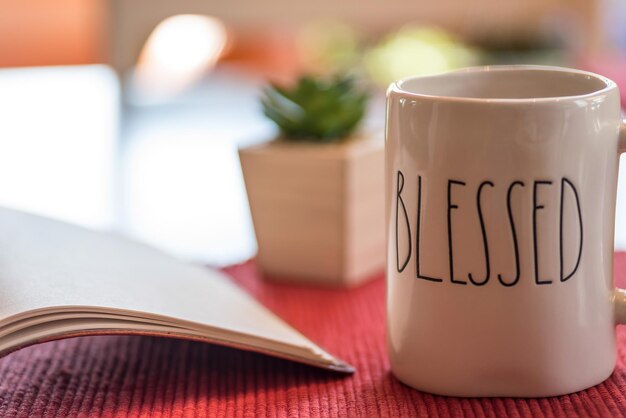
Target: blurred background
x: 127, y: 115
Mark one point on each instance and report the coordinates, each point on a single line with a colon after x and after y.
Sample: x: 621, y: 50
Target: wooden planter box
x: 318, y: 209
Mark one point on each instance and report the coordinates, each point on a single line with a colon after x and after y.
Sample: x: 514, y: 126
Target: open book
x: 59, y: 281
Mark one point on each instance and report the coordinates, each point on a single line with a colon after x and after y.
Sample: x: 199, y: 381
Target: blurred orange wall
x: 51, y: 32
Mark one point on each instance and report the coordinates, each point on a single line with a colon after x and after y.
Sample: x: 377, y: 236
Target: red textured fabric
x: 142, y: 376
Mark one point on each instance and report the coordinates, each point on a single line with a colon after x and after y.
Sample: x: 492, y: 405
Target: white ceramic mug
x: 501, y: 185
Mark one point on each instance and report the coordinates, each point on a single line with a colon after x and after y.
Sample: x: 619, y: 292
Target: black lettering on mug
x: 514, y: 236
x: 536, y: 208
x: 400, y: 203
x: 564, y: 182
x: 450, y: 250
x: 418, y: 228
x: 484, y: 234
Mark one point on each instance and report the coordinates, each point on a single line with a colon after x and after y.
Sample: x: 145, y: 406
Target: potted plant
x: 316, y: 192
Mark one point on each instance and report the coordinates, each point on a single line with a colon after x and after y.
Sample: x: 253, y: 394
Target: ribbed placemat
x: 143, y: 376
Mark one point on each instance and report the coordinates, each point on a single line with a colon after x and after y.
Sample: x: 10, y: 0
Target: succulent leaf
x: 316, y: 109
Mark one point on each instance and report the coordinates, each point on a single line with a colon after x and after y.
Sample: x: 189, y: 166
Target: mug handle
x: 619, y: 295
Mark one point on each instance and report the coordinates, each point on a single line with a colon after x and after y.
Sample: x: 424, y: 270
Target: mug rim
x: 609, y: 85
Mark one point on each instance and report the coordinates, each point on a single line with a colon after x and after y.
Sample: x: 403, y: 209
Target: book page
x: 53, y: 266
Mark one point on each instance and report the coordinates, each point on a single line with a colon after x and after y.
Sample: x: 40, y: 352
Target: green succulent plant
x: 316, y: 109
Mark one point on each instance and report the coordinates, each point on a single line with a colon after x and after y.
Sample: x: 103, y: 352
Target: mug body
x: 500, y: 192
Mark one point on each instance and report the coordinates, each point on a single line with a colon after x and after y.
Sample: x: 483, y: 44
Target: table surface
x: 143, y: 376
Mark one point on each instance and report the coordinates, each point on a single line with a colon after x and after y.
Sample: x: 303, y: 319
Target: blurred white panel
x: 58, y: 130
x: 184, y: 190
x: 185, y: 194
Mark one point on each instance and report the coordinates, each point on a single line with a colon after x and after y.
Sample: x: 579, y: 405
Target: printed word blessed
x: 562, y: 187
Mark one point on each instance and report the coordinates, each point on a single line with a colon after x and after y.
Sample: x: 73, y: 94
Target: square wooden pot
x: 318, y: 209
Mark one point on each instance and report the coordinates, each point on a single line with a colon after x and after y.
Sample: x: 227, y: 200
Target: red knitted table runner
x: 143, y: 376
